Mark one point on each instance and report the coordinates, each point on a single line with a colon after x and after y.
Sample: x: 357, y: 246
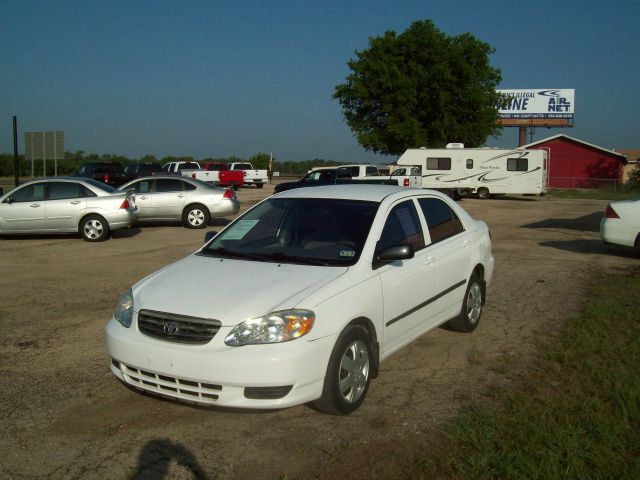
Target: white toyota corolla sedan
x: 301, y: 298
x: 621, y: 224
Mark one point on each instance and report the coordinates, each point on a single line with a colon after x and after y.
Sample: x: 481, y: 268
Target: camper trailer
x: 460, y: 171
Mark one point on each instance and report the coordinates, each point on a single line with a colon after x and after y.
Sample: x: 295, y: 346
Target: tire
x: 260, y: 185
x: 483, y: 193
x: 348, y: 374
x: 195, y: 216
x: 469, y: 316
x: 636, y: 246
x: 94, y: 228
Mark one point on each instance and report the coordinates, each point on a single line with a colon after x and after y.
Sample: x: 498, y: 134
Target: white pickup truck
x: 189, y: 169
x: 251, y: 175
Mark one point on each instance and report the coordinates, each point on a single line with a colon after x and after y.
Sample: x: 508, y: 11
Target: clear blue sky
x: 221, y: 78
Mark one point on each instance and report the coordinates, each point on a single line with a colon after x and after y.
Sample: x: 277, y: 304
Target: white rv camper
x: 461, y: 171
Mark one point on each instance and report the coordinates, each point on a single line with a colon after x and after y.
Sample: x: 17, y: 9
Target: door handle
x: 428, y: 260
x: 143, y: 197
x: 180, y: 196
x: 75, y: 202
x: 34, y: 205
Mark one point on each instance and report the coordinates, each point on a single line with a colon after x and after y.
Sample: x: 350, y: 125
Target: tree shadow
x: 586, y: 223
x: 156, y: 457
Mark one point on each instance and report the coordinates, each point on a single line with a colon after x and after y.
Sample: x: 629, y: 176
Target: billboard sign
x: 44, y: 146
x: 538, y: 105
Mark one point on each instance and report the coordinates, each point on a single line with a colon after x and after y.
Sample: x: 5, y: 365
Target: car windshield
x: 308, y: 231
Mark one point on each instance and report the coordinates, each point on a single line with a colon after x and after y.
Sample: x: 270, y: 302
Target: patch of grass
x: 576, y: 416
x: 594, y: 194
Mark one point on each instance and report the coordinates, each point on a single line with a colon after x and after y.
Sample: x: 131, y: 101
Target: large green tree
x: 421, y: 88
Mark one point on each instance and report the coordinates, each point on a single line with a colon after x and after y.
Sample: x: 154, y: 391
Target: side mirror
x: 393, y: 254
x: 209, y: 235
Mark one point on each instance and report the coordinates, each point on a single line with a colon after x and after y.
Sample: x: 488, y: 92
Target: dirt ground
x: 64, y: 415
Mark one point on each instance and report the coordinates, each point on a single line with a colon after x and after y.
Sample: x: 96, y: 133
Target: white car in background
x: 172, y: 197
x: 301, y: 298
x: 66, y: 205
x: 621, y: 224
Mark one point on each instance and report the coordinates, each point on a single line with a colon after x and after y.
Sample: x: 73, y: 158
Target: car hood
x: 230, y: 290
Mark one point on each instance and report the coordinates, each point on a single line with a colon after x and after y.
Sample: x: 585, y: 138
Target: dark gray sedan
x: 66, y: 205
x: 191, y: 201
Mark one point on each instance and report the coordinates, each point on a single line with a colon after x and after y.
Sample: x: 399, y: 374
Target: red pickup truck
x: 226, y: 177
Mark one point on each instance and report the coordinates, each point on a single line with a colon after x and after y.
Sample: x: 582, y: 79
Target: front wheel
x: 469, y: 316
x: 348, y: 373
x: 94, y: 228
x: 195, y: 216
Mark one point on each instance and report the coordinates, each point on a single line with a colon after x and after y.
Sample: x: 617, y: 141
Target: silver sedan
x: 191, y: 201
x: 66, y: 205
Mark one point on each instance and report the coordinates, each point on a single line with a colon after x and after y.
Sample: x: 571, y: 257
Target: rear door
x: 66, y: 201
x: 450, y: 248
x: 168, y: 199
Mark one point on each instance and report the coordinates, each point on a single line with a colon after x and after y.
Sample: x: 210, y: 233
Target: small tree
x: 421, y: 88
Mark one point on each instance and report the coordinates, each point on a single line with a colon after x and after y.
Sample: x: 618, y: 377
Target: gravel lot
x: 64, y: 415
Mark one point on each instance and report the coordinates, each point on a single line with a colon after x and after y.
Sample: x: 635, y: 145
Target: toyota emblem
x: 170, y: 328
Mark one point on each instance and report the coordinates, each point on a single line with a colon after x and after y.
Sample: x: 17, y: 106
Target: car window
x: 402, y: 227
x: 442, y: 221
x: 30, y: 193
x: 188, y: 186
x: 64, y: 190
x: 143, y: 186
x: 168, y: 185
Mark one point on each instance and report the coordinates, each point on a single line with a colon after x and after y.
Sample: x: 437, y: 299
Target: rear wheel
x: 195, y: 216
x: 259, y: 185
x: 94, y: 228
x: 483, y: 193
x: 469, y: 316
x: 348, y: 373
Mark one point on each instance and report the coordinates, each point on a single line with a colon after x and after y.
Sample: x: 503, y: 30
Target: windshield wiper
x: 225, y: 253
x: 283, y: 257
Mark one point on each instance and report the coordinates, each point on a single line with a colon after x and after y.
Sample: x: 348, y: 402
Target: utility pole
x: 15, y: 150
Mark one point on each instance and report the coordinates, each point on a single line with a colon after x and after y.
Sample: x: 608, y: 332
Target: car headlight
x: 124, y: 309
x: 275, y: 327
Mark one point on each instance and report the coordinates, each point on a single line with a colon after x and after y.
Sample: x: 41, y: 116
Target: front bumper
x: 253, y: 376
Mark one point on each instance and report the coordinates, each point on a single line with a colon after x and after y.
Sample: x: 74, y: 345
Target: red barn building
x: 577, y: 164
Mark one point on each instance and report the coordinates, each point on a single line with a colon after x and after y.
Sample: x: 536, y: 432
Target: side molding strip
x: 424, y: 304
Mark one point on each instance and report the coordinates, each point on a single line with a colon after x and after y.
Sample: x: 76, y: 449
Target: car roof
x: 371, y: 193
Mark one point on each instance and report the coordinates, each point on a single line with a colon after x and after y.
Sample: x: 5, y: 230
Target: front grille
x: 188, y: 390
x: 177, y: 328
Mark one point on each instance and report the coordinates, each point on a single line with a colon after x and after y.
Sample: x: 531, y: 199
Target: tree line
x: 73, y: 160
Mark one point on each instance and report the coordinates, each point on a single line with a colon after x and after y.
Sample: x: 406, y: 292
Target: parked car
x: 333, y: 176
x: 137, y: 170
x: 621, y: 224
x: 110, y: 173
x: 300, y: 299
x: 191, y: 201
x: 66, y: 205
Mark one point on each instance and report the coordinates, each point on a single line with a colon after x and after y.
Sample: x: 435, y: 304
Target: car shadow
x: 586, y: 223
x: 214, y: 222
x: 594, y: 246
